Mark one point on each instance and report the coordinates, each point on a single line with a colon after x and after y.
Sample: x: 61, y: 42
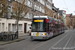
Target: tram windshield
x: 38, y: 27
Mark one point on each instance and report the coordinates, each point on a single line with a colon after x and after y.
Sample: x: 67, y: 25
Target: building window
x: 41, y: 1
x: 40, y: 8
x: 38, y: 0
x: 3, y: 27
x: 20, y: 27
x: 15, y: 0
x: 9, y: 12
x: 28, y: 3
x: 9, y: 0
x: 14, y: 27
x: 50, y: 1
x: 29, y: 27
x: 35, y: 7
x: 26, y: 16
x: 43, y: 10
x: 49, y: 6
x: 30, y: 15
x: 9, y: 27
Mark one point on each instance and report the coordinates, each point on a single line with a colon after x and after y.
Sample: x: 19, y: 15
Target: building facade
x: 73, y: 21
x: 68, y: 21
x: 54, y: 11
x: 63, y: 13
x: 36, y: 8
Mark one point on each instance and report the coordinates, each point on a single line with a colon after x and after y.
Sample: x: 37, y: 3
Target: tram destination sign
x: 38, y: 20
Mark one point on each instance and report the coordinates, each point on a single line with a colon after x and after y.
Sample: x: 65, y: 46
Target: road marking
x: 43, y: 44
x: 40, y: 45
x: 67, y: 43
x: 58, y: 42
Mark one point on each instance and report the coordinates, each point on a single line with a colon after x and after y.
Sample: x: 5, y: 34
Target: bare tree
x: 3, y: 8
x: 19, y: 12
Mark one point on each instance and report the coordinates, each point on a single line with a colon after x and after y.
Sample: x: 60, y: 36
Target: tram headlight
x: 45, y: 33
x: 32, y: 34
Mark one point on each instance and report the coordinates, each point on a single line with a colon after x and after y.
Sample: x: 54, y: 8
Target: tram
x: 44, y: 27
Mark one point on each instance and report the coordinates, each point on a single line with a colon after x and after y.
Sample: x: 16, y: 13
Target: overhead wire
x: 66, y: 5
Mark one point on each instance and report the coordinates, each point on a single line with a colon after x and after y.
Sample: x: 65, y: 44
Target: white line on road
x: 58, y: 42
x: 67, y: 43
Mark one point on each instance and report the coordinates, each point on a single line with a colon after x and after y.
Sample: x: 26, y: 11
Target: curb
x: 8, y: 42
x: 24, y: 35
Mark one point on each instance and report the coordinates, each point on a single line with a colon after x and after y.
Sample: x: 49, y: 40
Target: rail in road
x: 65, y: 41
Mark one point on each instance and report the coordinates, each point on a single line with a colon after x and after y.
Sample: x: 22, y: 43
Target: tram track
x: 47, y: 42
x: 63, y: 43
x: 58, y: 42
x: 65, y: 40
x: 67, y: 43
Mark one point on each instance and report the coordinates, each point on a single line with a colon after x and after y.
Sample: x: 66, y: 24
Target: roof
x: 73, y: 16
x: 68, y: 15
x: 64, y: 10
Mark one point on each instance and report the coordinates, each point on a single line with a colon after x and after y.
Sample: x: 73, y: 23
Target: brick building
x: 68, y: 20
x: 63, y: 18
x: 36, y: 7
x: 54, y: 11
x: 73, y: 21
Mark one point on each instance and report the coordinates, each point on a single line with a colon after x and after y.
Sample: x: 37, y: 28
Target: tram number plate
x: 37, y: 34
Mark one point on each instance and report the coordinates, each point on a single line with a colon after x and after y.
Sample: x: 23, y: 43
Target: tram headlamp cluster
x: 44, y: 34
x: 32, y: 34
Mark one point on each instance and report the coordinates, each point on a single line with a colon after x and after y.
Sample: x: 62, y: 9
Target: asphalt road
x: 65, y: 41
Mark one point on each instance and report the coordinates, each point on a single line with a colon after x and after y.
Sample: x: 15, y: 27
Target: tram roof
x: 47, y: 17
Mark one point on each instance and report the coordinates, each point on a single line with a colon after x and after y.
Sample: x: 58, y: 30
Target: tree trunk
x: 17, y: 26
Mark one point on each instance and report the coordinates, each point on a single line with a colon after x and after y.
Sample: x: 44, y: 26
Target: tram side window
x: 55, y: 27
x: 47, y: 27
x: 50, y: 27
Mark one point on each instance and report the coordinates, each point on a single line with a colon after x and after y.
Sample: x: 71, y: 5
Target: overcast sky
x: 68, y: 5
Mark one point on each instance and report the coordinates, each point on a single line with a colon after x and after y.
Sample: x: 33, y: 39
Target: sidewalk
x: 16, y: 40
x: 23, y: 34
x: 11, y: 41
